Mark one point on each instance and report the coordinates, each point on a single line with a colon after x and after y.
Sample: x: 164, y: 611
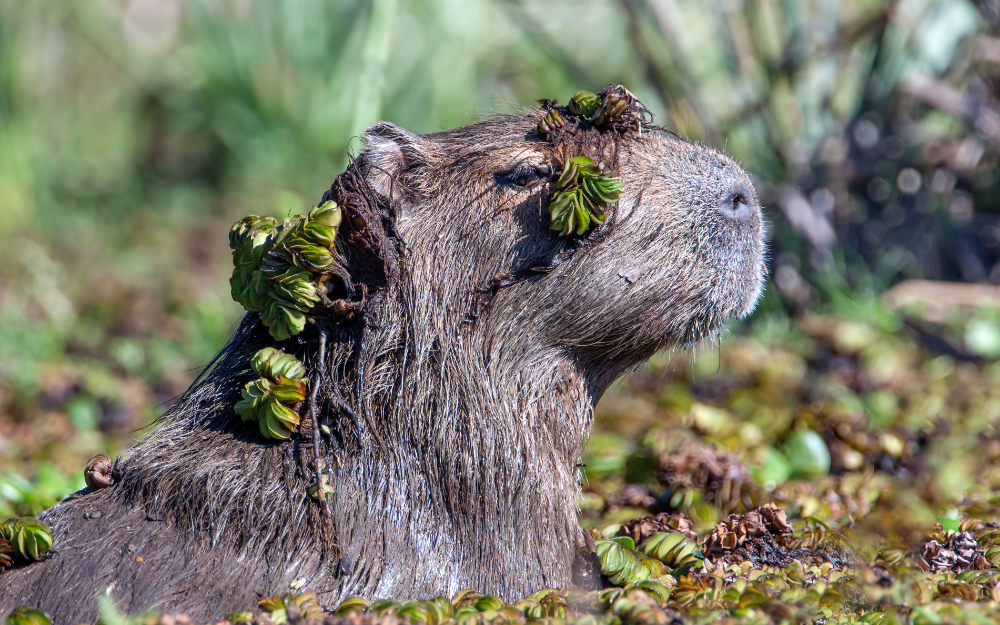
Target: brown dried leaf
x: 709, y: 470
x: 642, y: 529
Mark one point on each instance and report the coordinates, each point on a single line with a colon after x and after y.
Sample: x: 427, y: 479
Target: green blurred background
x: 133, y: 133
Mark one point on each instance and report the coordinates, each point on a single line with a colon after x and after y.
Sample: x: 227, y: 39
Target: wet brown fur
x: 461, y: 468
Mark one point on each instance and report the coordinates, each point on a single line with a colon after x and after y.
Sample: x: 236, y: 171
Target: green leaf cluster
x: 545, y: 603
x: 671, y: 548
x: 30, y: 537
x: 623, y: 565
x: 27, y: 615
x: 267, y: 400
x: 614, y: 107
x: 279, y: 269
x: 278, y: 606
x: 545, y: 606
x: 551, y: 123
x: 467, y: 607
x: 583, y: 191
x: 603, y: 109
x: 584, y: 104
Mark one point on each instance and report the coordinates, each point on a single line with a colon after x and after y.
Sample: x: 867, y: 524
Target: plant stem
x: 318, y: 462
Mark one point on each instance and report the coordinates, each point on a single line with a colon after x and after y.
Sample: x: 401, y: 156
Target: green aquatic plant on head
x: 614, y: 108
x: 583, y: 192
x: 282, y: 272
x: 267, y: 400
x: 551, y: 123
x: 280, y: 269
x: 584, y: 104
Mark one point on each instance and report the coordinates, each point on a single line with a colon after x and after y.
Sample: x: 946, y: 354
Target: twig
x: 547, y: 44
x: 346, y: 409
x: 318, y: 462
x: 666, y: 85
x: 588, y: 540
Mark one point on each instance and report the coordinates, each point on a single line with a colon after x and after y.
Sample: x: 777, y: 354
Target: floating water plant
x: 267, y: 400
x: 29, y: 537
x: 292, y: 608
x: 583, y: 192
x: 27, y: 615
x: 280, y: 269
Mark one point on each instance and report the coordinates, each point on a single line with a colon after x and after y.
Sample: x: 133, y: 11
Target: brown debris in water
x: 766, y: 521
x: 642, y: 529
x: 631, y: 496
x: 720, y: 474
x: 6, y: 561
x: 760, y: 536
x: 960, y: 551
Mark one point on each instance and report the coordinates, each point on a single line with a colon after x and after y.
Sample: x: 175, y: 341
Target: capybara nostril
x: 739, y: 204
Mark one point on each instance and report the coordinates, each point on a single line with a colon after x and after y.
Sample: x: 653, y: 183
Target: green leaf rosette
x: 30, y: 538
x: 27, y: 615
x: 278, y: 269
x: 583, y: 191
x: 268, y: 400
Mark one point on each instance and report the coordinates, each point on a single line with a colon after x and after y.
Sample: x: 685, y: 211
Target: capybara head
x: 685, y: 255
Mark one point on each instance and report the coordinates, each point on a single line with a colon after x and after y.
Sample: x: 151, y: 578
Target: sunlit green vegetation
x: 865, y: 404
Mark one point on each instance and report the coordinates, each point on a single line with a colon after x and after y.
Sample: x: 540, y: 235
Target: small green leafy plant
x: 304, y: 604
x: 29, y: 537
x: 583, y: 192
x: 584, y: 104
x: 672, y: 548
x: 267, y: 400
x: 27, y: 615
x: 279, y: 269
x: 615, y: 107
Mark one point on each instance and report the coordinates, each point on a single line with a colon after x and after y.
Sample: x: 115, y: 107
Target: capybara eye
x: 524, y: 175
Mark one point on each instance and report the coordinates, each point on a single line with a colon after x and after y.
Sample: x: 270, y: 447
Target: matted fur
x: 462, y: 468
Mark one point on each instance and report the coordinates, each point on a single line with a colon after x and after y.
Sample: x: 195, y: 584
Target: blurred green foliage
x: 133, y: 133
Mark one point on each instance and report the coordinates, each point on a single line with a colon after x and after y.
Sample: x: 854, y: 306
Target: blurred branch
x: 937, y: 300
x: 665, y: 86
x: 537, y: 34
x: 986, y: 49
x: 850, y: 34
x: 375, y: 55
x: 94, y: 25
x: 990, y: 11
x: 977, y: 114
x: 790, y: 66
x: 668, y: 19
x: 804, y: 217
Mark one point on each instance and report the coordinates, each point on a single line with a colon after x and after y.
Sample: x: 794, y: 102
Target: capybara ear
x: 390, y: 152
